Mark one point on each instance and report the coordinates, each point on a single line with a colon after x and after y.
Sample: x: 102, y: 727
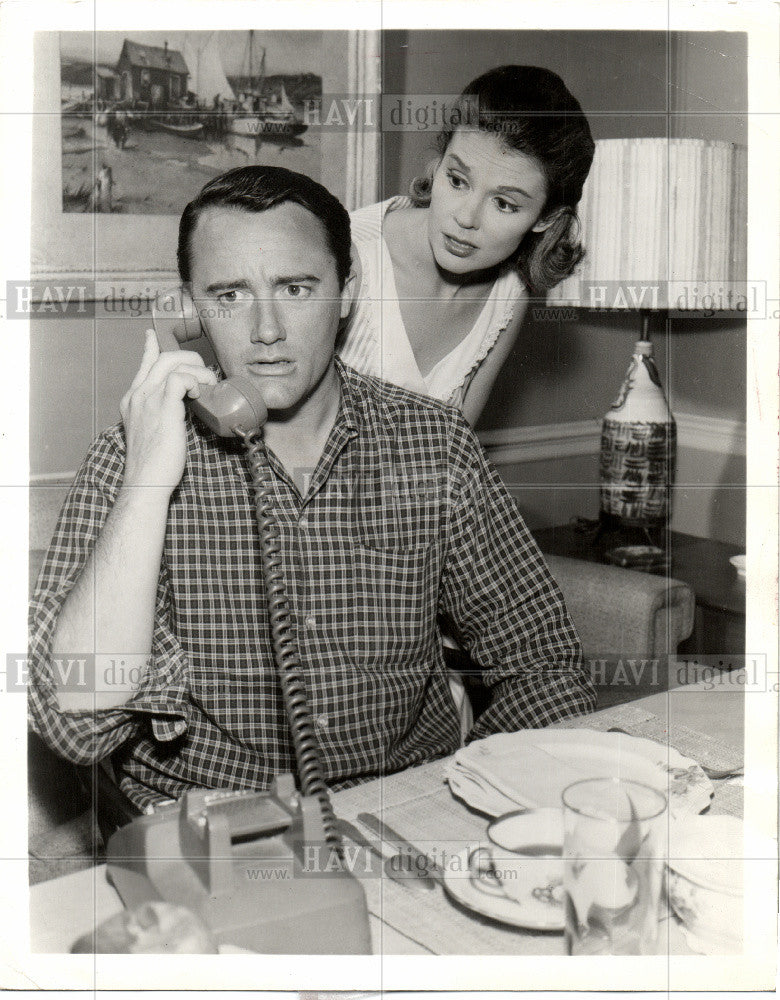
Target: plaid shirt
x: 404, y: 525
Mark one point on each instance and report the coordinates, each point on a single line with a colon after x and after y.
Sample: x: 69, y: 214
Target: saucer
x: 541, y: 909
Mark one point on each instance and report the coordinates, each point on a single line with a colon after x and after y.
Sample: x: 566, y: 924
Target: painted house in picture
x: 148, y: 119
x: 107, y: 84
x: 82, y: 81
x: 154, y: 75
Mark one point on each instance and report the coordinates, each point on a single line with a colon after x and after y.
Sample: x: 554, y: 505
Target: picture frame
x: 90, y: 246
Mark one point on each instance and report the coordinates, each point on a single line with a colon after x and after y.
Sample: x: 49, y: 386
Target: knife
x: 388, y: 833
x: 361, y: 840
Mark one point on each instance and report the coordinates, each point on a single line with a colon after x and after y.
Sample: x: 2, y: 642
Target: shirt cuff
x: 163, y: 694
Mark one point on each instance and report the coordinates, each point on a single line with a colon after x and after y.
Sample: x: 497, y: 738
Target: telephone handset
x: 232, y: 403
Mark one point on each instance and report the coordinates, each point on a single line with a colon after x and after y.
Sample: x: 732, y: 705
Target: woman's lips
x: 458, y: 247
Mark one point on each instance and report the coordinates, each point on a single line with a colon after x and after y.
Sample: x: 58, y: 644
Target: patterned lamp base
x: 636, y: 470
x: 638, y: 446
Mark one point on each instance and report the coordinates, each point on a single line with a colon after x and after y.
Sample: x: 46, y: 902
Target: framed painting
x: 129, y: 126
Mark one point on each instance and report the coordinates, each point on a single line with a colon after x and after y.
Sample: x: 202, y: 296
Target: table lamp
x: 664, y: 226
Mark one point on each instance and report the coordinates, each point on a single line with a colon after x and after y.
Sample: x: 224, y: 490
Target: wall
x: 619, y: 77
x: 77, y: 377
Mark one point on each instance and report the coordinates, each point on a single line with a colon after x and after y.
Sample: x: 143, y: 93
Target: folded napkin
x: 531, y: 768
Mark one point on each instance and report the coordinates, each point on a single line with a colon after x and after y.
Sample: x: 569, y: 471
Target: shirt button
x: 303, y: 521
x: 323, y: 721
x: 310, y: 622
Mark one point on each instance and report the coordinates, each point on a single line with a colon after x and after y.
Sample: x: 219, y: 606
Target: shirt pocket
x: 395, y: 593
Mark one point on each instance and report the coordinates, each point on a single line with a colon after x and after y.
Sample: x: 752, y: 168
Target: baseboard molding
x: 539, y: 443
x: 582, y: 437
x: 724, y: 437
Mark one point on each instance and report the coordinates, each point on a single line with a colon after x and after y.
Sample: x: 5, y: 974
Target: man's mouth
x: 273, y: 366
x: 460, y: 248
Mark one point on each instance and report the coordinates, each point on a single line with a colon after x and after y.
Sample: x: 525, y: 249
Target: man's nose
x: 468, y: 213
x: 266, y: 328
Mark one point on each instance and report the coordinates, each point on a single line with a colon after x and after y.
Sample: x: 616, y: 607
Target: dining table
x: 703, y: 720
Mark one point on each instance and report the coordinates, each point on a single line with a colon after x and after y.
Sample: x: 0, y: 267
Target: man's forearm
x: 110, y: 610
x: 533, y: 699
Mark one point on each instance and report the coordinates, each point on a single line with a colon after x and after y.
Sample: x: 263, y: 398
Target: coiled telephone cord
x: 291, y: 679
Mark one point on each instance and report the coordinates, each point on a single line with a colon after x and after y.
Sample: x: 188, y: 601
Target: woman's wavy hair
x: 533, y: 113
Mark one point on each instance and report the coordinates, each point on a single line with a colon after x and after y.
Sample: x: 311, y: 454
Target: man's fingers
x: 156, y: 370
x: 150, y: 355
x: 180, y: 383
x: 193, y: 378
x: 193, y: 375
x: 148, y: 358
x: 184, y: 380
x: 170, y: 361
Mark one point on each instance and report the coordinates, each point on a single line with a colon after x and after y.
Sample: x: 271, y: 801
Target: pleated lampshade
x: 666, y: 215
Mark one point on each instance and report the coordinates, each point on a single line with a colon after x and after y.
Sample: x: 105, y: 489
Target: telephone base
x: 254, y: 866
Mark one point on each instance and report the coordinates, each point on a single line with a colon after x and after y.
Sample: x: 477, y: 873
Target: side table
x: 702, y: 563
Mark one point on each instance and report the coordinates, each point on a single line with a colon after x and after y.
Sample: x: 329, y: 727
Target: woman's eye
x: 456, y: 180
x: 506, y: 206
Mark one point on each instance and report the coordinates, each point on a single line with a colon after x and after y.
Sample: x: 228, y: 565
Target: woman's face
x: 484, y: 199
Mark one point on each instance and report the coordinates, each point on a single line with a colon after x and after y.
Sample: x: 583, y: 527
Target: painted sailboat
x: 262, y: 115
x: 207, y: 78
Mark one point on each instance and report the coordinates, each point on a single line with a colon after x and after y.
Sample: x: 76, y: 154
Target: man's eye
x: 297, y: 291
x: 506, y: 206
x: 226, y: 298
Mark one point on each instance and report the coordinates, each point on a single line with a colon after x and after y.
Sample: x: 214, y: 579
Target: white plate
x: 739, y: 563
x: 543, y: 911
x: 575, y: 753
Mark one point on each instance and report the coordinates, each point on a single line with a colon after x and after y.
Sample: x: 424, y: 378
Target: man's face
x: 266, y: 288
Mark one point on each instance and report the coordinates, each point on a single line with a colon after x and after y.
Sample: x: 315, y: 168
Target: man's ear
x: 545, y: 221
x: 348, y: 295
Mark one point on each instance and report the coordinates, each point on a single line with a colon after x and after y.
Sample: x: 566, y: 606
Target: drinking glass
x: 614, y: 837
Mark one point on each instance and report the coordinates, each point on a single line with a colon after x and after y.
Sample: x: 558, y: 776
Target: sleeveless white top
x: 375, y: 341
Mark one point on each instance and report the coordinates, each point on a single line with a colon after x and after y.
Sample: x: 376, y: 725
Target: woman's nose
x: 266, y: 328
x: 467, y: 214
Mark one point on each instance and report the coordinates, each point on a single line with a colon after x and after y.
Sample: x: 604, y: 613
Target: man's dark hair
x: 256, y: 189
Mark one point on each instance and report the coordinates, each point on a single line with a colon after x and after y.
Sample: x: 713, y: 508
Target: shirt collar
x: 348, y: 415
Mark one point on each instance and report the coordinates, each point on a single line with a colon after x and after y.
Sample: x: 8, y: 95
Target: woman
x: 443, y: 277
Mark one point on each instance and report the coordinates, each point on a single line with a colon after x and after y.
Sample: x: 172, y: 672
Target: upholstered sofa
x: 621, y: 613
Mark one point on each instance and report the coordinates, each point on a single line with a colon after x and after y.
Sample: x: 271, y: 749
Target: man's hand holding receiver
x: 153, y: 414
x: 110, y: 610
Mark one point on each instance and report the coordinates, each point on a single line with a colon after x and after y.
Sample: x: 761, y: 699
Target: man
x: 390, y: 522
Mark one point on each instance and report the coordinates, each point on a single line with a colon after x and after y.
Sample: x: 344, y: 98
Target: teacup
x: 523, y: 859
